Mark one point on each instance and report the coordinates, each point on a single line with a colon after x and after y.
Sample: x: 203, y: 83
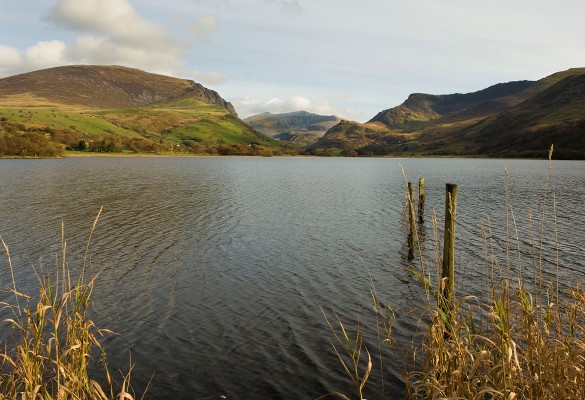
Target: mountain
x: 107, y: 108
x: 106, y: 87
x: 119, y: 109
x: 519, y: 118
x: 420, y: 107
x: 298, y: 127
x: 554, y: 116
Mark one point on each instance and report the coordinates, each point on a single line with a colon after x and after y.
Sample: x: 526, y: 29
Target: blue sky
x: 344, y: 57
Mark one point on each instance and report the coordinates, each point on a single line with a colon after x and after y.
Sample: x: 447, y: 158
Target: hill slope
x: 487, y: 122
x: 297, y: 127
x: 105, y: 87
x: 555, y: 116
x: 117, y: 108
x: 420, y: 107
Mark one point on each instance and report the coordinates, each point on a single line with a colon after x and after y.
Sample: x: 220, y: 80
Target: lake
x: 214, y: 271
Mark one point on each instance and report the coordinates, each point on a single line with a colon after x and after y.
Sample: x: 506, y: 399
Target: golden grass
x: 30, y: 100
x: 524, y: 339
x: 352, y: 354
x: 52, y: 340
x: 524, y: 350
x: 513, y: 343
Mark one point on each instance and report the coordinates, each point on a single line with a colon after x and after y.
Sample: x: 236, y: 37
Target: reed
x: 523, y: 351
x: 352, y: 354
x: 522, y: 339
x: 52, y: 343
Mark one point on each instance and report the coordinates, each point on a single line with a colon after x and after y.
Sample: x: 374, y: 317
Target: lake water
x: 214, y: 270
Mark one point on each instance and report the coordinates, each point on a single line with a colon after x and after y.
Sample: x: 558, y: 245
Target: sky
x: 351, y: 58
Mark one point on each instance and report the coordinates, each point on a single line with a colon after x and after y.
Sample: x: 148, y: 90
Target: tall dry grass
x: 524, y: 350
x: 523, y: 339
x: 50, y: 342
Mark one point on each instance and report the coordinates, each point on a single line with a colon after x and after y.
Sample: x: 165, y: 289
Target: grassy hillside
x: 62, y: 119
x: 186, y: 119
x: 515, y: 119
x: 97, y: 108
x: 422, y: 108
x: 554, y: 116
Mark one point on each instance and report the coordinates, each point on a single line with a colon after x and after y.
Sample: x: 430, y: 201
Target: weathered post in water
x: 421, y: 200
x: 449, y: 245
x: 411, y: 223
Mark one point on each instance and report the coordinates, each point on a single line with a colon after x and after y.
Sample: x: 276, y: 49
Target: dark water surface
x: 213, y: 270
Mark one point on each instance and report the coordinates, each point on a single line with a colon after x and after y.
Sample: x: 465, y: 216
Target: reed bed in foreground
x: 524, y: 338
x: 524, y: 350
x: 50, y: 342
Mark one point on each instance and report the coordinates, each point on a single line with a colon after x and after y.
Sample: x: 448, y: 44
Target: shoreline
x: 73, y: 154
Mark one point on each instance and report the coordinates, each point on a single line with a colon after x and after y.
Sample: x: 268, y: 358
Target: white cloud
x: 113, y: 33
x: 203, y: 27
x: 209, y: 78
x: 10, y: 59
x: 293, y: 104
x: 45, y: 54
x: 90, y: 49
x: 246, y: 107
x: 114, y: 19
x: 109, y: 32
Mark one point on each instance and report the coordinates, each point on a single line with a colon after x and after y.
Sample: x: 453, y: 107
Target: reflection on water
x: 213, y: 270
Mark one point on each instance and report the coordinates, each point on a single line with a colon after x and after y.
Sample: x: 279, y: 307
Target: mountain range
x: 299, y: 127
x: 118, y: 109
x: 521, y: 118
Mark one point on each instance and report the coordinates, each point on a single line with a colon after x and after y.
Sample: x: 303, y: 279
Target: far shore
x: 79, y: 154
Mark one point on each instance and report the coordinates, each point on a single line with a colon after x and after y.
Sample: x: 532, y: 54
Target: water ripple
x: 214, y: 271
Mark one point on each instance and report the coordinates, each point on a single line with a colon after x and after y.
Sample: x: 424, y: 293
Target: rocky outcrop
x: 209, y: 96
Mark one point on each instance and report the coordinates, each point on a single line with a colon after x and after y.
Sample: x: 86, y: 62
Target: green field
x: 186, y: 119
x: 59, y: 119
x: 156, y: 128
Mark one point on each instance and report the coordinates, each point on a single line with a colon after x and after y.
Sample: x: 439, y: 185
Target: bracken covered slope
x: 106, y: 87
x: 512, y: 119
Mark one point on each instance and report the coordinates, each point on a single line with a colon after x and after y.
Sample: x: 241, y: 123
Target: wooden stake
x: 421, y: 200
x: 449, y: 243
x: 411, y: 223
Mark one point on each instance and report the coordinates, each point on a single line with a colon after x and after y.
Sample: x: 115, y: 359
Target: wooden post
x: 449, y: 244
x: 421, y: 200
x: 411, y: 223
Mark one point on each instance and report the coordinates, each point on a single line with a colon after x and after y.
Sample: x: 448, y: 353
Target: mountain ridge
x: 110, y: 86
x: 115, y: 108
x: 427, y: 124
x: 300, y: 127
x: 426, y: 107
